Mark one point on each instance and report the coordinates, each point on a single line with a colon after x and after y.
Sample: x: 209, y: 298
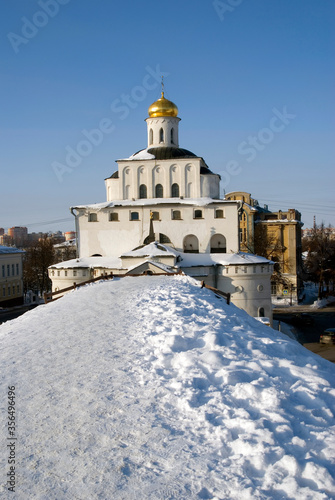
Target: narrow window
x: 13, y: 289
x: 143, y: 191
x: 218, y: 214
x: 161, y: 135
x: 92, y: 217
x: 134, y: 216
x: 197, y: 214
x: 58, y: 273
x: 176, y: 215
x: 113, y: 217
x: 8, y: 269
x: 4, y: 291
x: 172, y: 136
x: 17, y: 269
x: 155, y: 215
x: 8, y: 291
x: 13, y: 270
x: 159, y: 191
x: 151, y: 136
x: 74, y: 272
x: 261, y: 312
x: 175, y: 190
x: 3, y: 271
x: 18, y: 289
x: 65, y: 272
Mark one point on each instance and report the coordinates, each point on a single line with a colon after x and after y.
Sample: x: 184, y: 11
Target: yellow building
x: 276, y: 236
x: 11, y: 283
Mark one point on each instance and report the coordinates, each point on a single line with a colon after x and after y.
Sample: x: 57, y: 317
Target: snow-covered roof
x: 151, y: 387
x: 224, y: 259
x: 140, y: 155
x: 4, y: 249
x: 155, y: 201
x: 276, y: 221
x: 159, y: 265
x: 90, y: 262
x: 67, y: 243
x: 154, y: 249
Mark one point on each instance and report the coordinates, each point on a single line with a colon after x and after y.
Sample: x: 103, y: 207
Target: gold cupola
x: 162, y: 107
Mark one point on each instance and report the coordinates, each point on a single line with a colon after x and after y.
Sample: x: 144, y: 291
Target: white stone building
x: 167, y: 195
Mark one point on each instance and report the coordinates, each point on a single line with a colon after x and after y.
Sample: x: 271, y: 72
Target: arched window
x: 161, y: 135
x: 163, y: 238
x: 218, y: 244
x: 159, y: 191
x: 175, y: 190
x: 143, y: 191
x: 172, y: 136
x: 151, y: 136
x: 261, y: 312
x: 191, y: 244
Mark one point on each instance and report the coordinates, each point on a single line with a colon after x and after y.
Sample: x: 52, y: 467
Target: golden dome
x: 162, y: 107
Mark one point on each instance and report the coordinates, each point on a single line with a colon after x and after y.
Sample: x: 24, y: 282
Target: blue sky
x: 233, y: 67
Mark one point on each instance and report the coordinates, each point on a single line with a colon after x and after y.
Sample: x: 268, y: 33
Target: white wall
x: 112, y: 239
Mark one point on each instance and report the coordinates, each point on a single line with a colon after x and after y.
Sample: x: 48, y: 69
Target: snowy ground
x: 152, y: 388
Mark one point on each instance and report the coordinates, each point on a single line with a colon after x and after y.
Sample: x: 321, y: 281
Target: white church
x: 163, y: 214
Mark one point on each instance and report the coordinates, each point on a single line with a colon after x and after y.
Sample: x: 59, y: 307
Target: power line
x: 46, y: 223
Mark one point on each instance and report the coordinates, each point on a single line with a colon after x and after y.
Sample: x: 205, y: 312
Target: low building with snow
x: 163, y: 208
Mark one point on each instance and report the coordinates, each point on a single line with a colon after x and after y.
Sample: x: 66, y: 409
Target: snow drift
x: 152, y: 388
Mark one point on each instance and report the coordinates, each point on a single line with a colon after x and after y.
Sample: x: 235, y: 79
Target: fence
x: 48, y: 295
x: 218, y: 292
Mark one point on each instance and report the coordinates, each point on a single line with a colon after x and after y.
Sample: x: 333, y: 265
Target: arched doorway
x: 218, y: 244
x: 191, y: 244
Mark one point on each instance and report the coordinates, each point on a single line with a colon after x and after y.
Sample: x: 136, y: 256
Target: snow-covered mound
x: 153, y: 388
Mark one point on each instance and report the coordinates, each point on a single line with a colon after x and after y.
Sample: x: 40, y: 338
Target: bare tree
x: 39, y: 256
x: 320, y: 260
